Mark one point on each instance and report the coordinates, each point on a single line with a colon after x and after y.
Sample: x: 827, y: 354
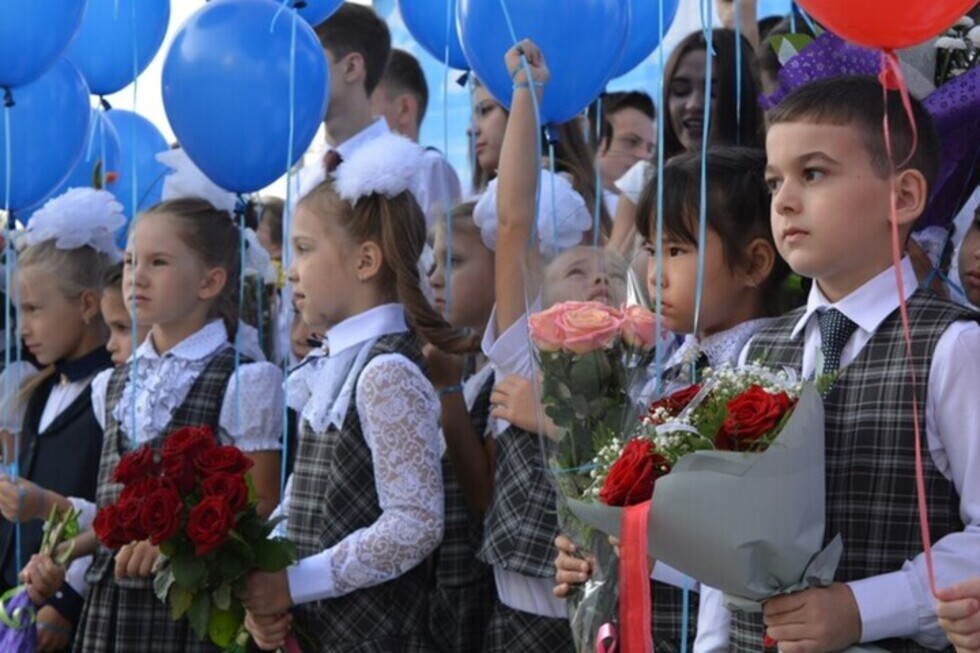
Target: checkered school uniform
x: 461, y: 601
x: 333, y: 495
x: 870, y: 452
x: 125, y: 615
x: 519, y: 536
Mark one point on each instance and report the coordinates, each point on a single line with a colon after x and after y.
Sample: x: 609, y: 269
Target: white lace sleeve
x: 252, y: 418
x: 399, y: 415
x: 100, y: 385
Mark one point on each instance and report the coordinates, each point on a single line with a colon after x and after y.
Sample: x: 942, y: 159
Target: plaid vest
x: 668, y: 617
x: 455, y: 560
x: 870, y: 449
x: 333, y: 495
x: 522, y: 522
x: 201, y: 407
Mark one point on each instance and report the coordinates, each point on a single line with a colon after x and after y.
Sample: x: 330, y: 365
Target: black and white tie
x: 835, y: 330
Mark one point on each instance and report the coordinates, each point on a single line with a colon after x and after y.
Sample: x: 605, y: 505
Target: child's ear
x: 760, y: 259
x: 213, y: 283
x: 369, y: 260
x: 353, y: 67
x: 407, y: 106
x: 911, y: 196
x: 90, y: 301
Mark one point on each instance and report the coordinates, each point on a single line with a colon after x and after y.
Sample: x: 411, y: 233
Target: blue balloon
x: 33, y: 35
x: 100, y: 160
x: 384, y: 8
x: 48, y: 127
x: 426, y: 22
x: 226, y: 92
x: 317, y: 11
x: 139, y: 143
x: 582, y: 47
x: 644, y: 32
x: 104, y: 47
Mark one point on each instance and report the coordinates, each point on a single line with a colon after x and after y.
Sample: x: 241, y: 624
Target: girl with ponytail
x: 364, y: 504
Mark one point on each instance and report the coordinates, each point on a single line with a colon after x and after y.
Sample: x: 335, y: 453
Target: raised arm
x: 520, y: 162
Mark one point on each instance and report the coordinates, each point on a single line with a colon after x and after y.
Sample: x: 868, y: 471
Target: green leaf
x: 233, y: 564
x: 167, y: 548
x: 274, y: 555
x: 222, y: 627
x: 253, y: 495
x: 200, y: 614
x: 162, y: 582
x: 222, y: 597
x: 188, y: 571
x: 180, y: 601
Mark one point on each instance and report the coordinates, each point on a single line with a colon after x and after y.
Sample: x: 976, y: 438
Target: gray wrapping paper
x: 749, y: 524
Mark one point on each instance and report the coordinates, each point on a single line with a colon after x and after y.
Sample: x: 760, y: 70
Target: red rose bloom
x: 136, y: 466
x: 142, y: 488
x: 632, y: 477
x: 751, y: 415
x: 230, y: 488
x: 187, y: 443
x: 179, y: 452
x: 676, y: 402
x: 208, y: 524
x: 128, y: 511
x: 109, y: 529
x: 227, y: 459
x: 160, y: 515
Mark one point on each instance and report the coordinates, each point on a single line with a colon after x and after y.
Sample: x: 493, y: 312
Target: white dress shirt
x: 899, y: 604
x: 398, y: 411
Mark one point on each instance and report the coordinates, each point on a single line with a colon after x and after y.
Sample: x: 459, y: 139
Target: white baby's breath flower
x: 965, y: 21
x: 974, y: 36
x: 950, y: 43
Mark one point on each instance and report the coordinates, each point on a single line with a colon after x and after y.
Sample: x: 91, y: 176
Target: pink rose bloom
x: 639, y: 327
x: 588, y: 326
x: 544, y: 329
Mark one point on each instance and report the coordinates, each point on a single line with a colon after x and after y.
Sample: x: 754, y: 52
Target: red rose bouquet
x: 724, y: 482
x: 195, y: 500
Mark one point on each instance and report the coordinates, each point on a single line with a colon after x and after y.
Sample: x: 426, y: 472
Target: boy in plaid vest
x: 833, y: 186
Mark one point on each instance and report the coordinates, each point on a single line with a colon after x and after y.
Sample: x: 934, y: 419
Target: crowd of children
x: 416, y: 488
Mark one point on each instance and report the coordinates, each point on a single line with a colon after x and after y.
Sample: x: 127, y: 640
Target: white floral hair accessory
x: 187, y: 180
x: 79, y: 217
x: 387, y: 165
x: 257, y: 259
x: 561, y: 223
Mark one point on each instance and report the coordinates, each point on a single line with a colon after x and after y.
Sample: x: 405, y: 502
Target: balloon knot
x: 104, y: 103
x: 8, y: 97
x: 299, y: 4
x: 890, y: 76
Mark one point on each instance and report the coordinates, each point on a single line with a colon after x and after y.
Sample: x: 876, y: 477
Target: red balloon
x: 887, y: 24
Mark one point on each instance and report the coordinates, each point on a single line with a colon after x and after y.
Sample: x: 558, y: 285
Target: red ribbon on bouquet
x: 635, y: 602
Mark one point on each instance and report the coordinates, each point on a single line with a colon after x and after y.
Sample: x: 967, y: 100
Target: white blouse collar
x: 199, y: 345
x: 720, y: 348
x: 371, y: 324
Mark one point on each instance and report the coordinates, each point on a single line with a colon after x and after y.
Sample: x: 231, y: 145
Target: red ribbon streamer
x: 607, y: 641
x: 635, y: 615
x: 891, y: 78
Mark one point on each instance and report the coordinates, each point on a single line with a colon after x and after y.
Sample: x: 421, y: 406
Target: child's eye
x: 575, y: 272
x: 674, y: 251
x: 813, y: 174
x: 159, y: 262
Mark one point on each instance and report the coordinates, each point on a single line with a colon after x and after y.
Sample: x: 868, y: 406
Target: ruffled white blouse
x: 398, y: 411
x: 251, y: 411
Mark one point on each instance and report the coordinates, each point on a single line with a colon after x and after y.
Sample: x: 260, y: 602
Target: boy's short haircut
x: 356, y: 28
x: 403, y: 74
x: 613, y: 103
x: 858, y: 102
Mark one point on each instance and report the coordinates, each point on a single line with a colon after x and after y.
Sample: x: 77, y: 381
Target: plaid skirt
x: 514, y: 630
x: 132, y: 620
x: 459, y: 616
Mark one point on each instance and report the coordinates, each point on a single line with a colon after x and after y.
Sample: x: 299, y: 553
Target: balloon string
x: 598, y: 174
x: 686, y: 604
x: 134, y: 317
x: 448, y: 276
x: 658, y: 355
x: 240, y: 209
x: 705, y: 131
x: 103, y: 172
x: 792, y: 17
x: 132, y: 128
x: 287, y: 237
x: 8, y: 387
x: 891, y: 78
x: 738, y: 77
